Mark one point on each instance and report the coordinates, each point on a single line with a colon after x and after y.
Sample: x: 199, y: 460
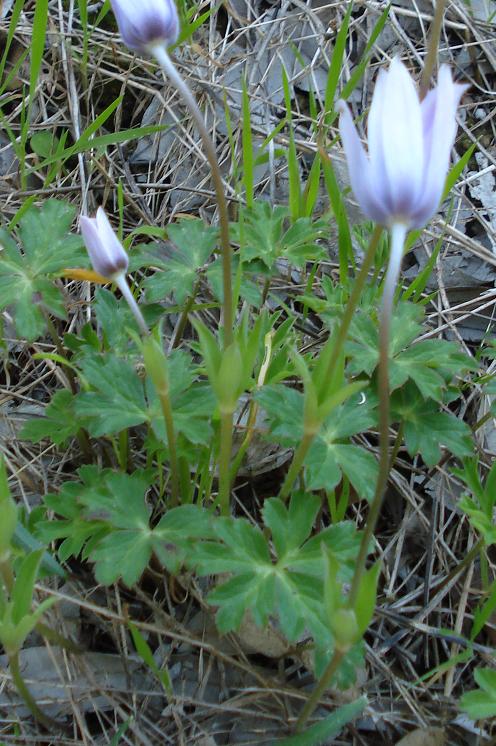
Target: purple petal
x: 359, y: 169
x: 440, y: 117
x: 89, y: 232
x: 375, y: 141
x: 146, y: 22
x: 398, y: 124
x: 107, y: 255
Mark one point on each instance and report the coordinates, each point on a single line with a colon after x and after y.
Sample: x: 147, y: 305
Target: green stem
x: 337, y: 348
x: 226, y: 434
x: 169, y: 68
x: 431, y: 58
x: 26, y: 695
x: 296, y: 464
x: 398, y: 235
x: 353, y: 300
x: 321, y: 687
x: 171, y: 443
x: 183, y: 320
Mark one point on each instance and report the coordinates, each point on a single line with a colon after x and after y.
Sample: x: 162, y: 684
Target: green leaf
x: 290, y: 528
x: 320, y: 733
x: 117, y: 401
x: 192, y: 402
x: 105, y: 516
x: 146, y: 655
x: 288, y: 586
x: 431, y: 363
x: 171, y: 537
x: 331, y: 454
x: 25, y: 541
x: 47, y: 247
x: 22, y: 593
x: 366, y: 597
x: 194, y: 243
x: 265, y: 236
x: 119, y: 502
x: 284, y: 408
x: 249, y: 290
x: 59, y: 423
x: 114, y: 319
x: 481, y: 704
x: 427, y: 430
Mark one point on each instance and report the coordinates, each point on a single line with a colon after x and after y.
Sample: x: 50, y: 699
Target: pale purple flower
x: 109, y: 257
x: 145, y: 24
x: 107, y: 254
x: 401, y: 180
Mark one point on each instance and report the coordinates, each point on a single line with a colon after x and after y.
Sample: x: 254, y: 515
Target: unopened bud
x: 107, y: 254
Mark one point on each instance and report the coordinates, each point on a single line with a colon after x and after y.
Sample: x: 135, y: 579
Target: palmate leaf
x: 117, y: 401
x: 284, y: 408
x: 288, y: 586
x: 426, y: 429
x: 120, y: 398
x: 194, y: 243
x: 481, y: 703
x: 431, y: 363
x: 331, y: 454
x: 105, y: 517
x: 264, y: 236
x: 59, y: 423
x: 45, y: 247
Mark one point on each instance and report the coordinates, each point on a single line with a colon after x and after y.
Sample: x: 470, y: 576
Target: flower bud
x: 401, y: 180
x: 107, y: 254
x: 156, y: 365
x: 144, y: 24
x: 344, y: 627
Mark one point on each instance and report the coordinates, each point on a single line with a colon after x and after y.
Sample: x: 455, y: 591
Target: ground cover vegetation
x: 247, y: 483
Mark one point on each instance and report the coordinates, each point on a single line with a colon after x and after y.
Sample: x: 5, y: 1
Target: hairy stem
x: 160, y: 53
x: 354, y: 299
x: 398, y: 235
x: 344, y: 327
x: 321, y: 687
x: 121, y: 282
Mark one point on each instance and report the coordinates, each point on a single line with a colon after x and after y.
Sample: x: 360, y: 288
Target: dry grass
x: 222, y: 693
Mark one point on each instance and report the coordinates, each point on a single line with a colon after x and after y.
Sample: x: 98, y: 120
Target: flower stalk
x: 398, y: 235
x: 160, y: 53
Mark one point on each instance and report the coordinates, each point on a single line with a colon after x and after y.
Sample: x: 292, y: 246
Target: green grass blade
x: 247, y: 147
x: 311, y: 191
x: 345, y: 246
x: 295, y: 198
x: 336, y: 64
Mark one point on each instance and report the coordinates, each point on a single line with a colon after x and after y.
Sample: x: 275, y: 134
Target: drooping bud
x: 145, y: 24
x: 401, y: 180
x: 107, y: 254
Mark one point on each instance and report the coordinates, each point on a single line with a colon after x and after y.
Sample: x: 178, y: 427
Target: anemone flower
x: 109, y: 258
x: 145, y: 24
